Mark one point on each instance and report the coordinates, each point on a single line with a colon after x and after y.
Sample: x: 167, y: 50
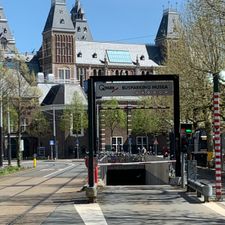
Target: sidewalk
x: 150, y: 205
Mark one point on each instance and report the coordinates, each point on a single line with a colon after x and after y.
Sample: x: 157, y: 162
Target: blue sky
x: 128, y: 21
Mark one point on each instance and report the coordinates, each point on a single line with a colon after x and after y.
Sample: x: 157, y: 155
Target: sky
x: 128, y: 21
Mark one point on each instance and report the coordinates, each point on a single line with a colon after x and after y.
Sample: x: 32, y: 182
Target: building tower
x: 80, y: 23
x: 58, y: 45
x: 168, y: 31
x: 6, y: 39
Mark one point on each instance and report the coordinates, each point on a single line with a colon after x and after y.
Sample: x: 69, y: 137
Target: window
x: 117, y: 144
x: 64, y: 74
x: 78, y: 29
x: 62, y: 21
x: 94, y: 55
x: 79, y: 54
x: 24, y: 125
x: 142, y: 141
x: 142, y: 57
x: 64, y: 48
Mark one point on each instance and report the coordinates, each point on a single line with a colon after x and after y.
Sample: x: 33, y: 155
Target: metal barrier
x: 202, y: 189
x: 103, y: 169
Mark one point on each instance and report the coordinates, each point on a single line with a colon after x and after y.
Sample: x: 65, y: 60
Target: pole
x: 91, y: 108
x: 54, y: 134
x: 183, y: 169
x: 1, y: 130
x: 9, y: 139
x: 217, y: 141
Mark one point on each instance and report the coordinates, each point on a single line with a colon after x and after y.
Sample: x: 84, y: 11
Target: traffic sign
x: 156, y: 142
x: 51, y: 142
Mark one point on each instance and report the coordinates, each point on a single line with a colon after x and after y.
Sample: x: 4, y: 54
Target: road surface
x: 50, y: 194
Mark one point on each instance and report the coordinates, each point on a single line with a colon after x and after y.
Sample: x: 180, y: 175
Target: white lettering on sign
x: 134, y: 89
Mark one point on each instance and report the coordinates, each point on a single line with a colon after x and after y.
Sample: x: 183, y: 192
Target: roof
x: 59, y: 18
x: 45, y: 88
x: 87, y: 49
x: 61, y: 94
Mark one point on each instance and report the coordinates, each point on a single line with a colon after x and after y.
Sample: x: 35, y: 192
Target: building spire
x: 80, y: 23
x: 54, y: 2
x: 7, y: 40
x: 58, y: 17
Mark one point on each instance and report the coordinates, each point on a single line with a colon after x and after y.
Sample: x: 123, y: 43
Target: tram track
x: 39, y: 200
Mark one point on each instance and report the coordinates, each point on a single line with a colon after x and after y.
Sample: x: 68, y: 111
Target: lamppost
x: 1, y: 127
x: 3, y: 42
x: 217, y: 139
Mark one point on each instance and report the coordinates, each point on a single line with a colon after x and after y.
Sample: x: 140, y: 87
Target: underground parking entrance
x: 127, y: 86
x: 126, y: 176
x: 152, y: 172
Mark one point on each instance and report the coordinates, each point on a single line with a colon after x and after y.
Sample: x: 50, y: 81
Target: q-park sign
x: 152, y: 88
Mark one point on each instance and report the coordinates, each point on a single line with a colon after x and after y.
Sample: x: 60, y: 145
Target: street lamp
x: 216, y: 126
x: 3, y: 42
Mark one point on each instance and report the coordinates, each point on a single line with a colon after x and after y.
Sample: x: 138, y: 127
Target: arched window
x: 62, y: 21
x: 126, y: 72
x: 143, y: 73
x: 99, y: 72
x: 95, y: 72
x: 117, y: 72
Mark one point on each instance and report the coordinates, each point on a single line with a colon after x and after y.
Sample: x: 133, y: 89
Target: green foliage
x: 39, y: 126
x: 74, y: 115
x: 9, y: 170
x: 114, y: 117
x: 151, y: 121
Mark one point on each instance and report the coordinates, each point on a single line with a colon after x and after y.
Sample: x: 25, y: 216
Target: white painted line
x: 91, y: 214
x: 47, y: 169
x: 136, y: 163
x: 59, y: 170
x: 215, y: 207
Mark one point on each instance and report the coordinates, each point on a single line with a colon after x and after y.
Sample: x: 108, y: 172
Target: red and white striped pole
x: 217, y: 141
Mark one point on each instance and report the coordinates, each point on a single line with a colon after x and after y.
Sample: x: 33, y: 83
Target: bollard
x: 35, y: 161
x: 95, y: 169
x: 96, y: 174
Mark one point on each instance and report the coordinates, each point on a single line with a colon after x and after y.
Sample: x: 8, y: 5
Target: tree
x: 23, y: 95
x: 74, y: 117
x: 196, y: 56
x: 38, y: 126
x: 114, y: 116
x: 151, y: 119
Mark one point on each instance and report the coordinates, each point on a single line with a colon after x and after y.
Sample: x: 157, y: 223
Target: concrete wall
x: 157, y: 174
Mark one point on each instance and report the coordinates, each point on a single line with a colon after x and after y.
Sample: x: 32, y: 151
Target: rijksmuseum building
x: 69, y: 55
